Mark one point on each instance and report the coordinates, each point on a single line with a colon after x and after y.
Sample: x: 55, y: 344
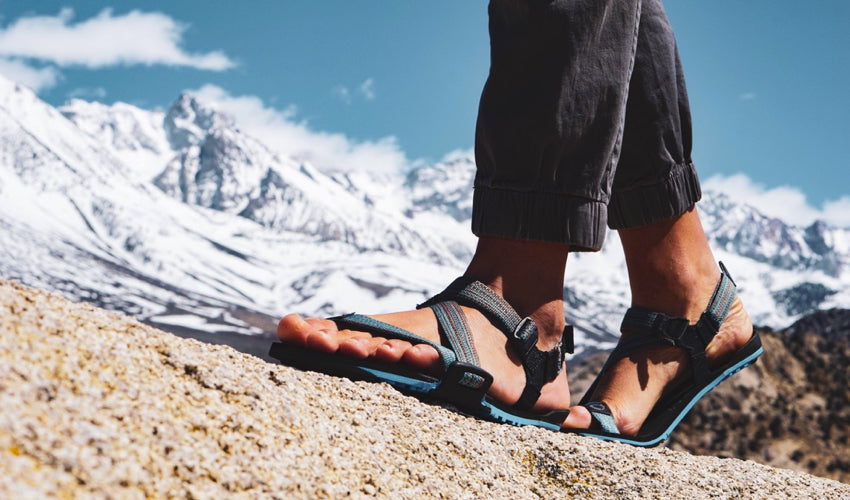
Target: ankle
x: 530, y: 277
x: 683, y: 292
x: 671, y: 267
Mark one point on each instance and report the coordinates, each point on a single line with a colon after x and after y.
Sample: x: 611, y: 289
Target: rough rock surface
x: 96, y: 405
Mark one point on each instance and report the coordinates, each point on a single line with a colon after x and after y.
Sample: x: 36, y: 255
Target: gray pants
x: 584, y: 120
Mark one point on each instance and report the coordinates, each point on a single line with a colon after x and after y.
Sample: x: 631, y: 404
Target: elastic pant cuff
x: 555, y: 218
x: 643, y: 205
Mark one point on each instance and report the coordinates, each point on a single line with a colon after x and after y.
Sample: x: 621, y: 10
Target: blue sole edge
x: 666, y: 434
x: 408, y: 384
x: 488, y: 411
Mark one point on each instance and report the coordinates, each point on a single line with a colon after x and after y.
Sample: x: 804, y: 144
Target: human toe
x: 421, y: 356
x: 392, y: 350
x: 294, y: 329
x: 359, y: 344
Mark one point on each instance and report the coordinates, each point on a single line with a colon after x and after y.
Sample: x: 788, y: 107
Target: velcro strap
x: 705, y: 330
x: 463, y: 385
x: 530, y: 395
x: 540, y: 368
x: 643, y: 321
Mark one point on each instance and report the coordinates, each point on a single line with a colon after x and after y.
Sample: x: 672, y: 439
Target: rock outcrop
x: 97, y: 405
x: 790, y: 410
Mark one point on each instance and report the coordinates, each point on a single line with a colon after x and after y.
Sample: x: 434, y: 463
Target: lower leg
x: 530, y: 276
x: 671, y: 267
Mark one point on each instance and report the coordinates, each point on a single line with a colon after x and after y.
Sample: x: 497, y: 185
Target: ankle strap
x: 521, y: 332
x: 722, y: 298
x: 652, y: 329
x: 540, y: 367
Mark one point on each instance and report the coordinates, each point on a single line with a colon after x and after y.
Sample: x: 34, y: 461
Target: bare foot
x: 529, y: 275
x: 634, y: 384
x: 672, y: 271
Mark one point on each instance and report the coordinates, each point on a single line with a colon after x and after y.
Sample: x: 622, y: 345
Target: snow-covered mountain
x: 185, y: 221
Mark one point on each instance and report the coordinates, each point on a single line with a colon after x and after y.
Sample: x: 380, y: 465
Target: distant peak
x: 189, y: 120
x: 8, y: 88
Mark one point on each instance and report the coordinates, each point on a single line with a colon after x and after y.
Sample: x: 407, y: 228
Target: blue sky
x: 389, y: 84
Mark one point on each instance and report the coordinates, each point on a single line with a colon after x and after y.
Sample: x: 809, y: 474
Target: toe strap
x: 365, y: 323
x: 601, y: 414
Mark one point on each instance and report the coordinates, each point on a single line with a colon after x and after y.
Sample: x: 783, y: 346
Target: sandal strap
x: 364, y: 323
x: 455, y: 329
x: 462, y: 373
x: 650, y: 329
x: 601, y: 413
x: 540, y: 367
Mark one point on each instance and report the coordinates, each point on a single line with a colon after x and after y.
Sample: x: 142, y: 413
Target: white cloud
x: 35, y: 78
x: 105, y: 40
x: 458, y: 155
x: 837, y: 212
x: 367, y: 89
x: 342, y: 92
x: 87, y: 93
x: 281, y: 130
x: 747, y: 96
x: 784, y: 202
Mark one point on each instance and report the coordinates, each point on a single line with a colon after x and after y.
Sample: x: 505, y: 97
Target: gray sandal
x: 651, y: 330
x: 462, y: 383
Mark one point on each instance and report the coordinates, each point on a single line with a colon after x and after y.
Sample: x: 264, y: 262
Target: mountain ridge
x: 226, y: 223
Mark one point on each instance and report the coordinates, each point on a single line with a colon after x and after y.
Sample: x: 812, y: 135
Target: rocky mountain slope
x: 791, y: 410
x: 76, y: 217
x: 185, y: 419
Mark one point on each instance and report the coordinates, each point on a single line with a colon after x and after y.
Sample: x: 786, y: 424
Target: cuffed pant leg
x: 551, y: 118
x: 655, y: 177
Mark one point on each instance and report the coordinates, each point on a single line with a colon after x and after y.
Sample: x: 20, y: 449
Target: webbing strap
x: 478, y: 295
x: 540, y: 367
x: 602, y: 414
x: 454, y: 328
x: 722, y: 299
x: 649, y: 329
x: 365, y: 323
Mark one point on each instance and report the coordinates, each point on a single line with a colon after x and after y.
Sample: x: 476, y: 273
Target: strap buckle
x: 525, y: 336
x: 463, y: 385
x: 670, y: 329
x: 519, y: 333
